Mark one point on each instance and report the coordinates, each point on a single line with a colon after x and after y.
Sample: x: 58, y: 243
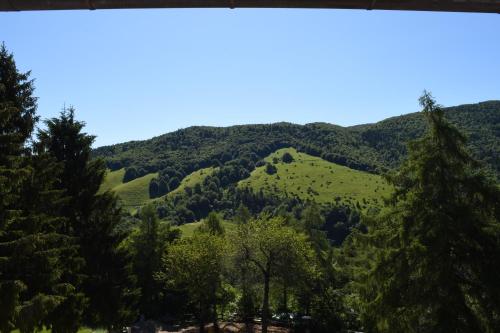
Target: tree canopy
x: 432, y: 254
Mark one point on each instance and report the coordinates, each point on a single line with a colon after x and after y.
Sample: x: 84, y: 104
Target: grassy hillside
x: 135, y: 193
x: 132, y: 194
x: 309, y: 177
x: 189, y: 228
x: 113, y: 179
x: 192, y: 179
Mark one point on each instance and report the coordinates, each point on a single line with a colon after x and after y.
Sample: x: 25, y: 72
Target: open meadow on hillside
x: 312, y: 178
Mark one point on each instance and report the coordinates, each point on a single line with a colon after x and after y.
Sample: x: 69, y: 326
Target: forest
x: 423, y: 259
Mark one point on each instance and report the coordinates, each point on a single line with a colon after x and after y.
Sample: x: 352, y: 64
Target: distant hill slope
x: 371, y: 147
x: 480, y: 122
x: 306, y: 177
x: 132, y: 194
x: 135, y: 193
x: 312, y: 178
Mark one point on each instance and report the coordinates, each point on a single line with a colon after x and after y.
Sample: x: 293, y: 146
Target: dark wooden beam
x: 485, y: 6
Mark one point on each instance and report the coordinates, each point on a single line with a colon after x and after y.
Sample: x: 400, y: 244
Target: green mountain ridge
x: 374, y: 147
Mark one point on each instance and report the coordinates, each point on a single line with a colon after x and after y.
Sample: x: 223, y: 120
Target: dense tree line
x: 375, y: 147
x: 60, y: 260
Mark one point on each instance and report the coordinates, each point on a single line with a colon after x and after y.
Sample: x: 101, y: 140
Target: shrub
x: 271, y: 169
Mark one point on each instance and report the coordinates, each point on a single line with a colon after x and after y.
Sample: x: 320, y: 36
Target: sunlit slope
x: 112, y: 179
x: 132, y: 194
x: 190, y: 180
x: 196, y: 177
x: 135, y: 193
x: 309, y: 177
x: 188, y: 229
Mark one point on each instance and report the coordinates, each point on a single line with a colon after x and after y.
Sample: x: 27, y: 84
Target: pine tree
x: 92, y: 219
x: 148, y: 246
x: 111, y: 284
x: 434, y: 254
x: 312, y: 224
x: 32, y: 275
x: 242, y: 215
x: 212, y: 225
x: 16, y: 105
x: 34, y: 250
x: 147, y: 251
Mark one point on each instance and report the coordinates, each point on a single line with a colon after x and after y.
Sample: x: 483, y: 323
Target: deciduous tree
x: 273, y: 249
x: 196, y: 265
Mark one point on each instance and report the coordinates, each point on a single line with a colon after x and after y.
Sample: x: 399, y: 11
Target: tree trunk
x: 216, y: 324
x: 202, y: 318
x: 265, y: 302
x: 285, y: 297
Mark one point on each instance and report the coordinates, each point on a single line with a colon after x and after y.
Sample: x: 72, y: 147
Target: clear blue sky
x: 134, y: 74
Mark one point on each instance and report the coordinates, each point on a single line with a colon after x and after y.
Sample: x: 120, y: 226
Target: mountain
x: 281, y: 168
x: 374, y: 148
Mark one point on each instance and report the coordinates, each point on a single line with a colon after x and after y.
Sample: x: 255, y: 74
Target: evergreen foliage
x: 33, y: 283
x: 212, y: 225
x: 92, y: 219
x: 148, y: 246
x: 434, y: 252
x: 287, y: 158
x: 270, y: 169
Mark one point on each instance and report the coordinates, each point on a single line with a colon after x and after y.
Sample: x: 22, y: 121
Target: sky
x: 135, y: 74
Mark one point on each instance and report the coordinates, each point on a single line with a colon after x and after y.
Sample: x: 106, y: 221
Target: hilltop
x: 374, y: 147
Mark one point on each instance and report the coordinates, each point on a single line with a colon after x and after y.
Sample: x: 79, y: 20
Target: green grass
x: 135, y: 193
x: 112, y: 179
x: 132, y: 194
x: 192, y: 179
x: 309, y: 177
x: 189, y: 228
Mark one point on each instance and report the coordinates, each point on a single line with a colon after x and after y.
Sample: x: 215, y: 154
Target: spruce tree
x: 92, y: 219
x: 434, y: 254
x: 312, y: 223
x: 32, y: 275
x: 147, y: 251
x: 212, y: 225
x: 148, y: 246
